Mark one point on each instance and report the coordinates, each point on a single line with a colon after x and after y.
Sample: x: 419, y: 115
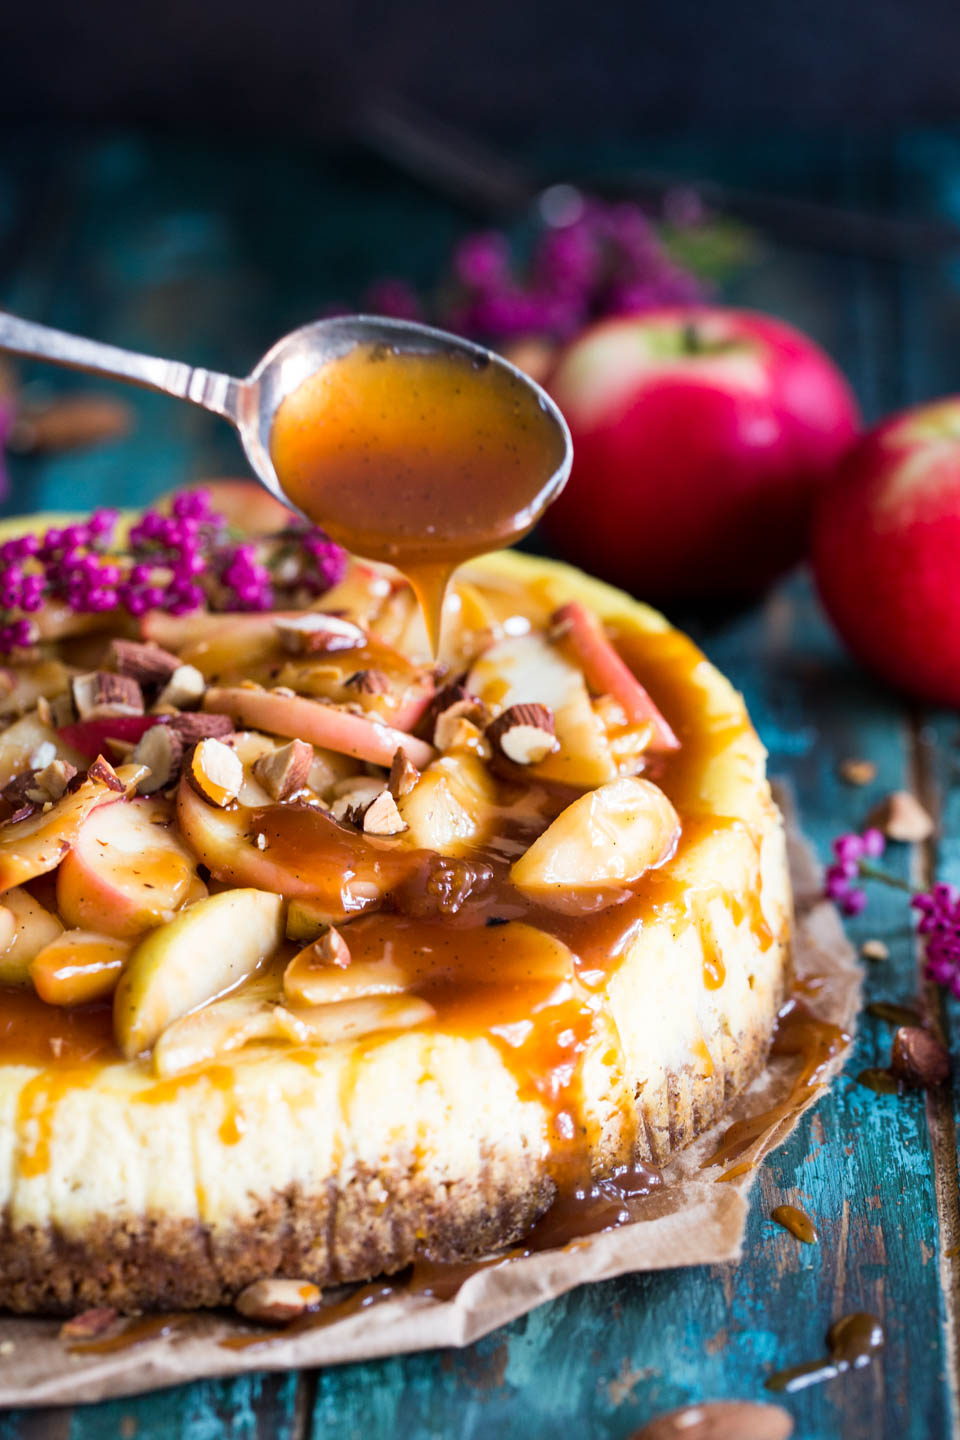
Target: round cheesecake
x: 533, y: 923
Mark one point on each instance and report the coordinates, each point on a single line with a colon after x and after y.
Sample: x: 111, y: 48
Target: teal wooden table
x: 162, y: 246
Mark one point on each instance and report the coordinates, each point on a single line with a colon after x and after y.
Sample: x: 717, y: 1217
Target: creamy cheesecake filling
x: 559, y: 1040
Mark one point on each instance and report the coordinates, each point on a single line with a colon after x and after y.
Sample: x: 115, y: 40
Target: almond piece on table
x: 314, y: 633
x: 215, y: 771
x: 101, y: 694
x: 185, y: 687
x: 162, y: 748
x: 902, y: 817
x: 147, y: 664
x: 720, y: 1420
x: 382, y: 816
x: 403, y: 775
x: 525, y: 734
x: 874, y: 950
x: 283, y: 772
x: 857, y: 772
x: 88, y: 1324
x: 275, y: 1302
x: 919, y: 1058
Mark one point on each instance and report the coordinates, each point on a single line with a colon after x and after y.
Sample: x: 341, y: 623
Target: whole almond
x: 720, y: 1420
x: 919, y: 1058
x: 275, y: 1302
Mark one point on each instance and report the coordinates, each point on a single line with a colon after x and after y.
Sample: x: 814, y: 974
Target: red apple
x: 700, y: 436
x: 886, y: 542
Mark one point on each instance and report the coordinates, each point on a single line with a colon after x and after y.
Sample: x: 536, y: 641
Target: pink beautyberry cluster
x: 607, y: 260
x: 940, y: 924
x: 849, y: 852
x: 175, y: 562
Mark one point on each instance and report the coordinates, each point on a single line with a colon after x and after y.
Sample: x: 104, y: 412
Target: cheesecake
x: 317, y: 956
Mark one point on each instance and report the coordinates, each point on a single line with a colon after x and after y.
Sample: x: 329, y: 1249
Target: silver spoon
x: 251, y: 404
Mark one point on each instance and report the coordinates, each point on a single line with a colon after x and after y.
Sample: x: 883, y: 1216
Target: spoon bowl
x: 251, y: 404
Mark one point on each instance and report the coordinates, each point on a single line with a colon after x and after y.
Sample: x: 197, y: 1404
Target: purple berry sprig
x: 938, y: 908
x: 603, y: 259
x: 177, y: 562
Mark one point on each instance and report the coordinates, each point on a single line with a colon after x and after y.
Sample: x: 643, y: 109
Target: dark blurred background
x: 515, y: 71
x: 196, y: 178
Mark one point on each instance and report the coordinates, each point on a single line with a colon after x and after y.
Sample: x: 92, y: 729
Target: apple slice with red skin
x: 607, y: 674
x: 305, y: 853
x: 175, y: 632
x: 323, y: 725
x: 89, y: 737
x: 127, y: 871
x: 36, y: 845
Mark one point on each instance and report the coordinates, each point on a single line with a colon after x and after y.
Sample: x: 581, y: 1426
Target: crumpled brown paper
x: 694, y: 1221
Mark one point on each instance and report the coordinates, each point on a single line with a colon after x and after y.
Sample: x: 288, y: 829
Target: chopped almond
x: 315, y: 632
x: 448, y: 730
x: 368, y: 682
x: 51, y: 782
x: 276, y: 1302
x: 902, y: 817
x: 284, y: 771
x: 330, y: 948
x: 215, y: 771
x: 874, y: 950
x: 403, y: 775
x: 525, y: 734
x: 201, y: 726
x: 102, y: 771
x: 162, y: 748
x: 147, y: 664
x: 382, y: 817
x: 100, y: 694
x: 185, y: 687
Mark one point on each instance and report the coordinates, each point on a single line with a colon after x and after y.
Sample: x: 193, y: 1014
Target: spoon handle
x: 219, y: 393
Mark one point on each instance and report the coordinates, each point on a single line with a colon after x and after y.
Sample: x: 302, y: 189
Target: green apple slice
x: 598, y: 846
x: 195, y: 958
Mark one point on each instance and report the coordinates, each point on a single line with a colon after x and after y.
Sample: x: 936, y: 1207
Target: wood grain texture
x: 163, y: 245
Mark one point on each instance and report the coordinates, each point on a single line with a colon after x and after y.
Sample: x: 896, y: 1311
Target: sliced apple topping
x: 350, y: 1019
x: 452, y: 806
x: 576, y: 627
x: 201, y: 954
x: 33, y: 927
x: 215, y: 1029
x: 36, y: 845
x: 324, y: 725
x: 322, y: 974
x: 294, y: 850
x: 598, y: 846
x: 78, y: 966
x: 528, y: 670
x: 27, y: 739
x: 127, y: 871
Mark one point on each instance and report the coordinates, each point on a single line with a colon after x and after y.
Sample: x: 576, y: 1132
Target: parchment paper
x: 694, y: 1221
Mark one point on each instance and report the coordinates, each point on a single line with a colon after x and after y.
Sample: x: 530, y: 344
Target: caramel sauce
x: 797, y: 1221
x: 852, y: 1343
x: 420, y: 460
x: 817, y: 1042
x: 896, y: 1014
